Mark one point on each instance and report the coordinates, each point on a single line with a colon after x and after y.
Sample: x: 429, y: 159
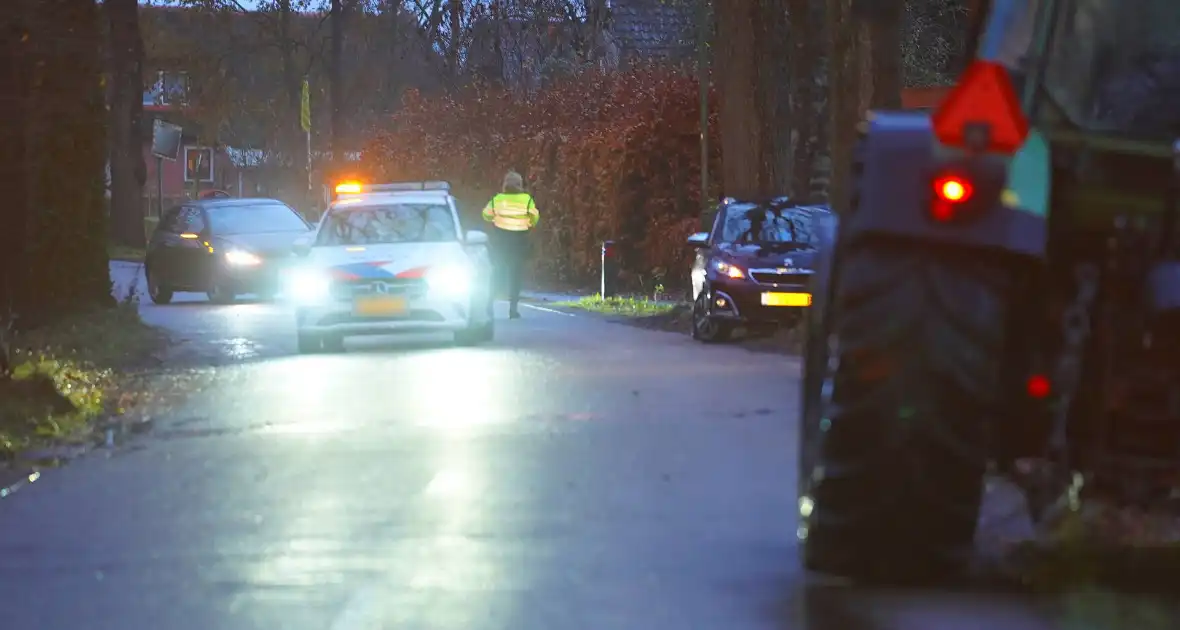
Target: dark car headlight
x: 728, y: 270
x: 242, y: 258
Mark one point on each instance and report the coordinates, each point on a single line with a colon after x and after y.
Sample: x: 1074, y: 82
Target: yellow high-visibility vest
x: 515, y: 212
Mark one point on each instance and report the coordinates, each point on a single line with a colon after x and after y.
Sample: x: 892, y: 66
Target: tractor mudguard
x: 895, y: 197
x: 1163, y: 287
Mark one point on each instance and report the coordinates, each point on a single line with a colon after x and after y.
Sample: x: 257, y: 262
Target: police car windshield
x: 751, y: 223
x: 254, y: 219
x: 388, y: 223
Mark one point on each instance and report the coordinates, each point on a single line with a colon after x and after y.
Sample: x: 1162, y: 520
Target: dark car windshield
x: 254, y: 219
x: 784, y: 225
x: 388, y: 223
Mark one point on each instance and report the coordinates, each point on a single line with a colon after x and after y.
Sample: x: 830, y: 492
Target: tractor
x: 1001, y: 293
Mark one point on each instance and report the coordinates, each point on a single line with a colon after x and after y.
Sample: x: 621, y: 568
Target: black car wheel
x: 159, y: 293
x: 220, y: 292
x: 705, y: 327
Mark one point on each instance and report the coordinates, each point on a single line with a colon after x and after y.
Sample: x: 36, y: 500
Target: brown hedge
x: 607, y: 155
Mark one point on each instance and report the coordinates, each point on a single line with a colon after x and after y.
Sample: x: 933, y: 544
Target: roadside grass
x: 66, y: 375
x: 626, y: 306
x: 133, y: 254
x: 129, y: 254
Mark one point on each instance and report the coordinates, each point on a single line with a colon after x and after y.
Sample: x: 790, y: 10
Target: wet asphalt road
x: 574, y: 474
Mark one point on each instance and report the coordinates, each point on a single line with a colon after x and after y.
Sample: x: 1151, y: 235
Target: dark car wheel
x: 220, y: 292
x: 159, y: 293
x: 705, y: 327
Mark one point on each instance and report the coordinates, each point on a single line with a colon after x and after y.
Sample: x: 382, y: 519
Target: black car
x: 753, y: 270
x: 223, y: 248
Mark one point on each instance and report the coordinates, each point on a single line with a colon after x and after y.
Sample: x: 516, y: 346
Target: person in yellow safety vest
x: 512, y: 213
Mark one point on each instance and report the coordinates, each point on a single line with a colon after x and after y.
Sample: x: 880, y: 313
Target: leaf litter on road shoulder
x: 1106, y: 564
x: 66, y: 375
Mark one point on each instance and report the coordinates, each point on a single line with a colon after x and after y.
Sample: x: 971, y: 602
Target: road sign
x: 305, y: 107
x: 166, y: 139
x: 198, y: 164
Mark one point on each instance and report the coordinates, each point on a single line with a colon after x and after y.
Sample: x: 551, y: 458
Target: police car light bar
x: 353, y: 188
x: 404, y: 186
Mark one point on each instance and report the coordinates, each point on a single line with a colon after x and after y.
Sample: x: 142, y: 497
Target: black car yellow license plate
x: 786, y: 299
x: 379, y: 305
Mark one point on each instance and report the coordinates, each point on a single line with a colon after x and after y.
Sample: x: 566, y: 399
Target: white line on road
x: 548, y: 310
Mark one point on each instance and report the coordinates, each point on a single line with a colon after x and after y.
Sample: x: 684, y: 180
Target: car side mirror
x: 700, y: 239
x: 302, y: 245
x: 476, y: 237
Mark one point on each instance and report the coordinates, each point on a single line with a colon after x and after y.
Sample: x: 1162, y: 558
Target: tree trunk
x: 65, y: 259
x: 806, y: 55
x: 15, y: 64
x: 753, y: 86
x: 336, y: 79
x: 126, y: 110
x: 296, y: 137
x: 864, y: 72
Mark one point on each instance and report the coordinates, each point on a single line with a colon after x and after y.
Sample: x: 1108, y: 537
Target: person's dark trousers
x: 511, y: 258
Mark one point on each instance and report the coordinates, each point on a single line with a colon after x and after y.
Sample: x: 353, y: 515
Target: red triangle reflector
x: 983, y: 95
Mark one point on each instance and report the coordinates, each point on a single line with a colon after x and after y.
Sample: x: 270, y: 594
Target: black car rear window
x: 254, y: 219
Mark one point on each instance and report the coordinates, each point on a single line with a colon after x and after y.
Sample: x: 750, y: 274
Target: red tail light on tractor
x: 979, y: 127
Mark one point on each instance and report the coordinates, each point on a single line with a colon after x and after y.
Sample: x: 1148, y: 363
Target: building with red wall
x: 173, y: 180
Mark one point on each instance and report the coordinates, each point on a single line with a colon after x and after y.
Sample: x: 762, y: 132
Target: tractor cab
x: 1094, y: 67
x: 1023, y: 241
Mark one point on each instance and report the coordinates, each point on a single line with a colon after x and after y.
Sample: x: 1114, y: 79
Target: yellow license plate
x: 786, y: 299
x: 379, y: 305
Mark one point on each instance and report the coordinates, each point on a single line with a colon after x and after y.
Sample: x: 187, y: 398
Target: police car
x: 388, y: 259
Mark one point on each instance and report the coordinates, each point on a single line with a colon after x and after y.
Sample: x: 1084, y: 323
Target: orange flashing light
x: 348, y: 188
x: 983, y: 97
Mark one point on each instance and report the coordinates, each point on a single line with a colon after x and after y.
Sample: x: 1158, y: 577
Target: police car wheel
x: 309, y: 343
x: 333, y: 343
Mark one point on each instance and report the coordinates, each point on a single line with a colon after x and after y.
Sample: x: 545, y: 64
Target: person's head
x: 513, y: 182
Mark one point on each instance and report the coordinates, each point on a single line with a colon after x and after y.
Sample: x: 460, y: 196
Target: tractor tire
x: 891, y: 476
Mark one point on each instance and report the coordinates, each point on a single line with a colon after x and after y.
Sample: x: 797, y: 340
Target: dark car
x: 754, y: 268
x: 223, y: 248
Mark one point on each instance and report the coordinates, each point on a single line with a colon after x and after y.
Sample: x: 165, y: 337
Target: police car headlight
x: 450, y: 281
x: 308, y: 286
